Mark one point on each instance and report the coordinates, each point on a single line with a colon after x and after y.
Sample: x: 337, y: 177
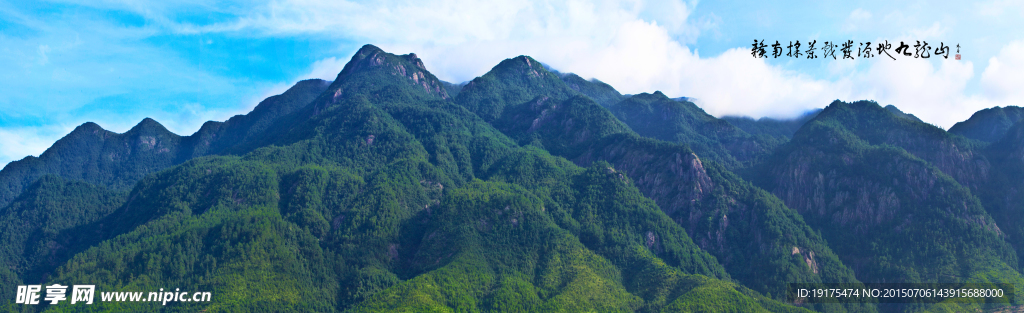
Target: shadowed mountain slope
x: 989, y: 125
x: 853, y: 174
x: 750, y: 231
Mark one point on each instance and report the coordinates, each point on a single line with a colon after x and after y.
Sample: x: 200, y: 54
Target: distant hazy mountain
x: 989, y: 125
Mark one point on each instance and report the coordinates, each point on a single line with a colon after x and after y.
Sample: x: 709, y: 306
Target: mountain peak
x: 647, y: 97
x: 372, y: 60
x: 88, y: 127
x: 309, y: 82
x: 867, y: 109
x: 366, y: 50
x: 150, y: 127
x: 528, y: 60
x: 367, y: 56
x: 521, y: 62
x: 86, y: 130
x: 897, y: 112
x: 859, y: 106
x: 989, y: 124
x: 524, y: 68
x: 372, y: 56
x: 147, y: 124
x: 513, y: 81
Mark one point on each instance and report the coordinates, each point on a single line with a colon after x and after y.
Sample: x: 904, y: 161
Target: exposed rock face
x: 702, y: 183
x: 677, y: 184
x: 370, y: 58
x: 730, y: 219
x: 147, y: 142
x: 674, y: 176
x: 857, y: 202
x: 963, y: 164
x: 861, y: 201
x: 812, y: 264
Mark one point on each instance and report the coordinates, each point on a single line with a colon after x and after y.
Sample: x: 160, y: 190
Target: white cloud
x: 860, y: 15
x: 1003, y: 79
x: 935, y: 89
x: 916, y: 86
x: 43, y: 50
x: 1001, y: 9
x: 326, y: 69
x: 20, y: 142
x: 640, y: 56
x: 856, y: 19
x: 933, y: 32
x: 634, y: 45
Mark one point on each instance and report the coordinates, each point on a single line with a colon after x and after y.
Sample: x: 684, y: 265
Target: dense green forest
x: 700, y: 195
x: 861, y: 174
x: 523, y: 190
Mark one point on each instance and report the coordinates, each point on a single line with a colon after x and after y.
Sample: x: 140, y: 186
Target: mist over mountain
x: 771, y: 131
x: 524, y: 189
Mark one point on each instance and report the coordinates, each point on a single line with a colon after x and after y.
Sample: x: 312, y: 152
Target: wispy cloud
x: 1004, y: 77
x: 857, y: 19
x: 20, y: 142
x: 326, y: 68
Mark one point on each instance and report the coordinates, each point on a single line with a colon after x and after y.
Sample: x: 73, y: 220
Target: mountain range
x: 525, y: 189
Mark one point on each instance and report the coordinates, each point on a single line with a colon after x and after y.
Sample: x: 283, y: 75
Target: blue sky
x: 63, y: 63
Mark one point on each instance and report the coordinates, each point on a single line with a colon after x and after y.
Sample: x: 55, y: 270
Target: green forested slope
x: 659, y: 117
x: 33, y: 227
x: 702, y: 196
x: 891, y: 215
x: 600, y: 92
x: 382, y: 195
